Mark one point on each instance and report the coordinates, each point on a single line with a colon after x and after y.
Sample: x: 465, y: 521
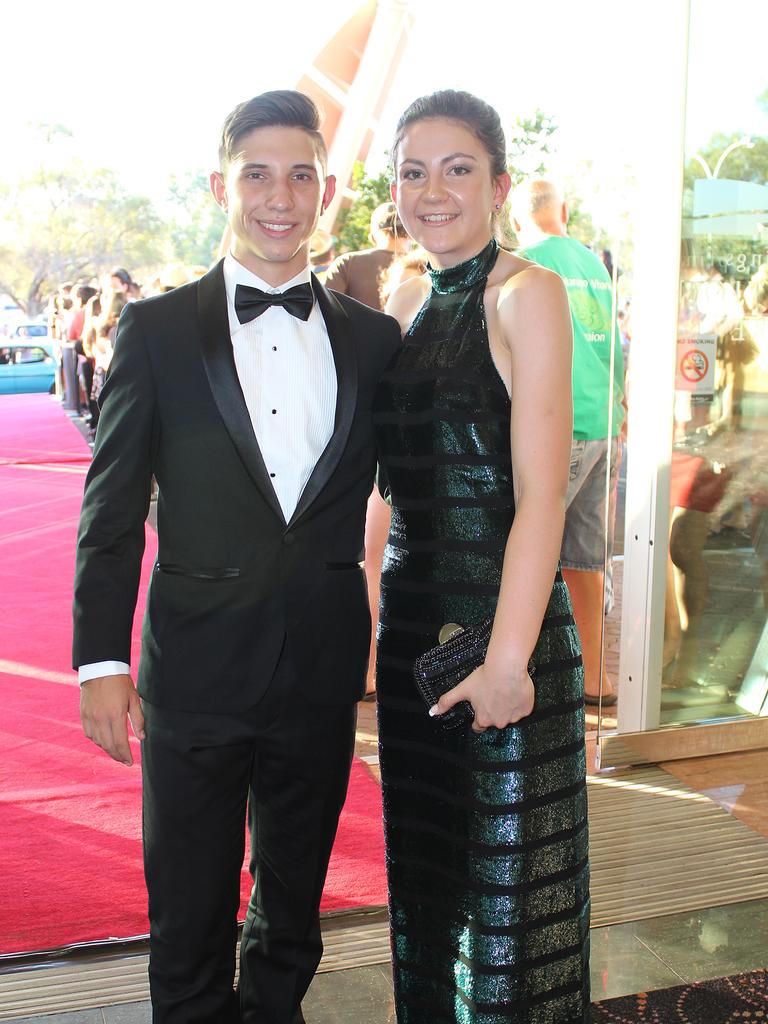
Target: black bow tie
x: 251, y: 302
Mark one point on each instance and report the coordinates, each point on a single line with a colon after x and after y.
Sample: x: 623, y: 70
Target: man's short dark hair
x: 280, y: 108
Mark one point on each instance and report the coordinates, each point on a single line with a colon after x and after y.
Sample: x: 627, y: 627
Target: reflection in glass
x: 716, y: 636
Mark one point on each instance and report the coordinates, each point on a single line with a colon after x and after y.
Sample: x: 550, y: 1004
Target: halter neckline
x: 465, y: 275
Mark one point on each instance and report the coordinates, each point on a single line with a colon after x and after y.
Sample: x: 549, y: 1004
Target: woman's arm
x: 536, y: 329
x: 536, y: 324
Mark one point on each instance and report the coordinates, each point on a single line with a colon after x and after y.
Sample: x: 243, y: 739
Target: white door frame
x: 655, y: 298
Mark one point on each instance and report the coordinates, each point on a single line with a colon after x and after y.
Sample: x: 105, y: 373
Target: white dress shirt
x: 286, y: 370
x: 287, y: 373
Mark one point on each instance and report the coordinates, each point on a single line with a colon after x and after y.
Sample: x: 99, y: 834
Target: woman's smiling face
x: 444, y: 189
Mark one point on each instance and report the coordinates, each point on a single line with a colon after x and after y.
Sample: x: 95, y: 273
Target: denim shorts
x: 585, y: 515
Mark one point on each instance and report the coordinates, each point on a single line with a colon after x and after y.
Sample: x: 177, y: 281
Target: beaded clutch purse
x: 461, y: 650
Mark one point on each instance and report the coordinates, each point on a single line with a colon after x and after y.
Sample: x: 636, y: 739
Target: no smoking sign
x: 694, y: 365
x: 695, y: 369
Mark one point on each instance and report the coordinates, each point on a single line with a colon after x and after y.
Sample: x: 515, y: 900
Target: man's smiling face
x: 273, y: 193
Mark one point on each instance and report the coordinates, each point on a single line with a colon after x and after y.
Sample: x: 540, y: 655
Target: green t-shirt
x: 589, y: 293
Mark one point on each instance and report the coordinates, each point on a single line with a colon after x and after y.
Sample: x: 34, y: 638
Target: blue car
x: 27, y: 364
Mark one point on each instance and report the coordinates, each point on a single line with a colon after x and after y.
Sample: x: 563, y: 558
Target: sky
x: 145, y: 86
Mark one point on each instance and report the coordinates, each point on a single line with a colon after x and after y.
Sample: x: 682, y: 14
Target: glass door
x: 694, y: 642
x: 715, y: 626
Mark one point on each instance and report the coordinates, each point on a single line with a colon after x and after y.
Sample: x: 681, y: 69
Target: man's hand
x: 104, y: 704
x: 497, y: 700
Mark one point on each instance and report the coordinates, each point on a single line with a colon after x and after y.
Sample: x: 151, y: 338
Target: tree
x: 62, y: 221
x: 742, y: 164
x: 197, y: 224
x: 529, y: 143
x: 582, y: 227
x: 67, y: 224
x: 355, y: 220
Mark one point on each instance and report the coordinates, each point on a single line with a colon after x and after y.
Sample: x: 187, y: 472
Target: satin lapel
x: 345, y: 359
x: 219, y: 361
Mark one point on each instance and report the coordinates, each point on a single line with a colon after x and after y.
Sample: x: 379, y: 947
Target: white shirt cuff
x: 102, y: 668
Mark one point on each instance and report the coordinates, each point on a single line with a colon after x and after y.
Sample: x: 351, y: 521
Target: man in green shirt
x: 540, y: 218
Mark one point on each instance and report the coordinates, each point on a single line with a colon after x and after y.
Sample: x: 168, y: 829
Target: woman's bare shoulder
x: 407, y: 299
x: 530, y: 297
x: 514, y: 273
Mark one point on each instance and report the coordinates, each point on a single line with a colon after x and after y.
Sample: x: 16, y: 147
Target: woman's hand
x: 499, y: 699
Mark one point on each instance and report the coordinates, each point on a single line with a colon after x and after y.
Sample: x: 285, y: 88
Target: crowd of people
x: 82, y: 321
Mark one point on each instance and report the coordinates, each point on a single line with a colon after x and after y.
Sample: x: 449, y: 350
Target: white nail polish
x: 433, y: 711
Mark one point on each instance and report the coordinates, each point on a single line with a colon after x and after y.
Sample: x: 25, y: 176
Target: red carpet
x: 70, y: 840
x: 34, y: 429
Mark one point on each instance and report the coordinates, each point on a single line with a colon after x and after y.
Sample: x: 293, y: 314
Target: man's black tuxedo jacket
x: 233, y: 580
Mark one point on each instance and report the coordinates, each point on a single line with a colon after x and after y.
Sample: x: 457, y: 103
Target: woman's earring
x: 498, y: 206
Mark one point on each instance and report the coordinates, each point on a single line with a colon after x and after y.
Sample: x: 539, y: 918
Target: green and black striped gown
x: 487, y: 844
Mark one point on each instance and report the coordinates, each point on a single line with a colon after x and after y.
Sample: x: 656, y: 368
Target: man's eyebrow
x: 263, y: 167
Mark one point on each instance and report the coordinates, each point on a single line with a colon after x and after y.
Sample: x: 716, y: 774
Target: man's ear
x: 330, y: 191
x: 564, y: 214
x: 219, y: 189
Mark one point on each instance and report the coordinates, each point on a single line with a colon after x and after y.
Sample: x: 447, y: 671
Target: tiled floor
x: 738, y: 782
x: 625, y: 958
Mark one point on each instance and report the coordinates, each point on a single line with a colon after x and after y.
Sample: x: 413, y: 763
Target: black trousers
x: 287, y: 761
